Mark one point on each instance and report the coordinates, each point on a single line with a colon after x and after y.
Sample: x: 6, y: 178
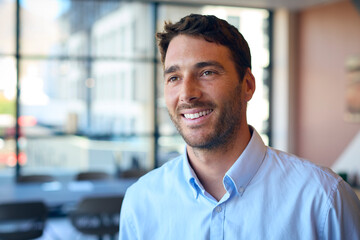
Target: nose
x: 190, y: 89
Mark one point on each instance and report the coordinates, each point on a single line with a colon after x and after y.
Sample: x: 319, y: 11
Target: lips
x: 197, y: 115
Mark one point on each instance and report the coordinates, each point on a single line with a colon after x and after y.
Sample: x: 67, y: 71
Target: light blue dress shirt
x: 270, y: 195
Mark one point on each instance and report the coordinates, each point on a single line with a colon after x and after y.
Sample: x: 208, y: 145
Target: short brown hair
x: 212, y: 29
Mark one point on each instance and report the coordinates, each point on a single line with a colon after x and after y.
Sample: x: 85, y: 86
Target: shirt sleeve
x: 342, y: 220
x: 126, y: 228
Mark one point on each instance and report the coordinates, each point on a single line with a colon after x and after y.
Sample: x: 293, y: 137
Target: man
x: 228, y: 184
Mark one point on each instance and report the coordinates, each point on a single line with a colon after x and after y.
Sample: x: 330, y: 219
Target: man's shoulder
x: 158, y: 179
x: 302, y: 170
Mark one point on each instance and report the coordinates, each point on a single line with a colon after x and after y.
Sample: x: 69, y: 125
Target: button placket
x: 217, y: 222
x: 218, y: 209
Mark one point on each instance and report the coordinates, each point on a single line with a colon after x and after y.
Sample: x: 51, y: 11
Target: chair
x: 92, y: 175
x: 98, y: 216
x: 133, y: 173
x: 22, y: 220
x: 35, y: 178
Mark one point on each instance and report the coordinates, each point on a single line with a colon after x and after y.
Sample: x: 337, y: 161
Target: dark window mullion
x: 17, y: 102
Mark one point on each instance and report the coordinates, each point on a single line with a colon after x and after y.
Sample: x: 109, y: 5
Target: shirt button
x: 218, y: 209
x: 241, y: 189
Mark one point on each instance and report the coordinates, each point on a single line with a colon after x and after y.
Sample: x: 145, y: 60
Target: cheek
x: 228, y: 95
x: 220, y: 93
x: 170, y: 98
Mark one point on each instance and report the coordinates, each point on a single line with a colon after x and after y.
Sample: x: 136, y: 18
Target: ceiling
x: 271, y: 4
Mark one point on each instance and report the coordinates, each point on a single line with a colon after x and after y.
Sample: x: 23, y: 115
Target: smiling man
x: 228, y: 184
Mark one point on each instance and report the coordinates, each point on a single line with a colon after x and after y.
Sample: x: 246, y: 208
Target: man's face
x: 203, y: 92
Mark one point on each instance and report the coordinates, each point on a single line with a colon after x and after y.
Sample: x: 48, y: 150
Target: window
x: 7, y: 87
x: 90, y: 83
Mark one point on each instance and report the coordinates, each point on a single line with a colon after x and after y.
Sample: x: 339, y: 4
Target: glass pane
x: 67, y: 155
x: 7, y: 115
x: 122, y: 98
x: 255, y: 34
x: 52, y: 94
x: 86, y: 28
x: 102, y: 98
x: 258, y: 107
x: 7, y: 26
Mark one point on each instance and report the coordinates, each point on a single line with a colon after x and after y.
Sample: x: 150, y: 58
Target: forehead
x: 185, y: 50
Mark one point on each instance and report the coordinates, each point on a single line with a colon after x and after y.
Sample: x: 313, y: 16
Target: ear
x: 248, y: 85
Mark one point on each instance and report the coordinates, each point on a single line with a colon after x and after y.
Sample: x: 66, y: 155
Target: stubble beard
x: 225, y: 128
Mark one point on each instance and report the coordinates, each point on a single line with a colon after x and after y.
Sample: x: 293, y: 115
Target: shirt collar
x: 246, y: 166
x: 242, y: 171
x: 190, y: 175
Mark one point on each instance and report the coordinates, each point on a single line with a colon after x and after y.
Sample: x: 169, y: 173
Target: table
x: 62, y: 197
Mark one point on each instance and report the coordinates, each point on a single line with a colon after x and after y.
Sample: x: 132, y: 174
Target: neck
x: 210, y: 165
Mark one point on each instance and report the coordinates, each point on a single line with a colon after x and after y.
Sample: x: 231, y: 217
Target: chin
x: 202, y: 143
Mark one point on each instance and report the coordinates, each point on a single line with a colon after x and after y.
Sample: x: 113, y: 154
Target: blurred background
x: 81, y: 90
x: 81, y: 82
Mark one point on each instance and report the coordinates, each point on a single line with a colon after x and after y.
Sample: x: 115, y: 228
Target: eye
x: 173, y: 79
x: 208, y: 73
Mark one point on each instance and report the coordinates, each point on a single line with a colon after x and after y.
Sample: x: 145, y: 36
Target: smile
x: 197, y: 115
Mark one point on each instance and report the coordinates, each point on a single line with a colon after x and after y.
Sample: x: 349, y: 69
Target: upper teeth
x: 197, y: 115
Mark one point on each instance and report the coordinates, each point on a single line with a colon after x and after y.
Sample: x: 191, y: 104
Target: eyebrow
x: 171, y: 69
x: 209, y: 64
x: 198, y: 65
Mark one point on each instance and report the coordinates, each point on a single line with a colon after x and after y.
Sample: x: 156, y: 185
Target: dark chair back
x: 92, y: 175
x: 22, y: 220
x: 97, y: 216
x: 133, y: 173
x: 36, y: 178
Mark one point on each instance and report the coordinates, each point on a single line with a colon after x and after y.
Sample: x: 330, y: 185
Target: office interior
x: 81, y: 90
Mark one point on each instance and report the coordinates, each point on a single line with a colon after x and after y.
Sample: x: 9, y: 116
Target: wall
x: 283, y: 99
x: 327, y: 36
